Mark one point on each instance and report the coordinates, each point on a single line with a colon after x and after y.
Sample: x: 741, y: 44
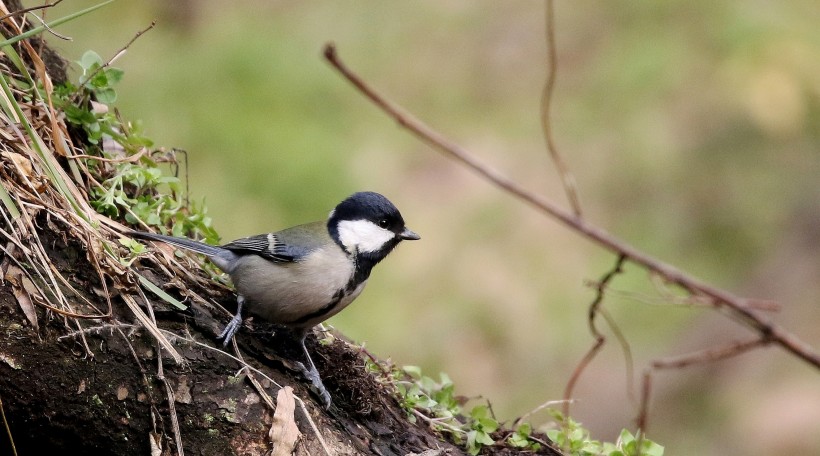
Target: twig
x: 116, y: 56
x: 26, y: 10
x: 646, y: 391
x: 385, y: 371
x: 599, y: 338
x: 521, y: 418
x: 50, y: 30
x: 171, y: 398
x: 149, y: 324
x: 720, y: 298
x: 668, y: 299
x: 129, y: 159
x: 8, y: 429
x: 710, y: 354
x: 43, y: 294
x: 169, y: 391
x: 172, y: 411
x: 174, y: 336
x: 699, y: 357
x: 313, y: 425
x: 98, y: 329
x: 171, y: 336
x: 570, y: 188
x: 436, y: 422
x: 630, y: 365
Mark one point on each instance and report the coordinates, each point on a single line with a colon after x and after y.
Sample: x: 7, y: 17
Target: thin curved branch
x: 600, y: 339
x: 567, y: 178
x: 720, y: 298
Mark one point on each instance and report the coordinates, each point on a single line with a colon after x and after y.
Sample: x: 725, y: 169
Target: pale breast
x: 287, y: 292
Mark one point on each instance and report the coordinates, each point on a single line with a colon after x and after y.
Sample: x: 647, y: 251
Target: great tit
x: 301, y: 276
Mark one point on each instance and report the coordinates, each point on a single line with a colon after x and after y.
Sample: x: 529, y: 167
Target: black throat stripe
x: 324, y: 310
x: 363, y: 264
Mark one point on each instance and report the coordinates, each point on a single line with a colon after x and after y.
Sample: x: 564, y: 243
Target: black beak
x: 409, y: 235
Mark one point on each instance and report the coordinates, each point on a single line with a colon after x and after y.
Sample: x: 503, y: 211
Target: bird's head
x: 368, y: 224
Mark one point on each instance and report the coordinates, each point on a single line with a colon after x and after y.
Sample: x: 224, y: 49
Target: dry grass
x: 48, y: 171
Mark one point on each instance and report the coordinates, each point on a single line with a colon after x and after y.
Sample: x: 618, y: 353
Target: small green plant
x: 482, y: 424
x: 522, y: 438
x: 140, y: 189
x: 424, y: 392
x: 436, y: 403
x: 142, y: 194
x: 89, y: 105
x: 572, y: 438
x: 134, y: 247
x: 99, y: 79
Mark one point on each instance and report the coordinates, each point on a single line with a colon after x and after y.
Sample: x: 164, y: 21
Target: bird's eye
x: 383, y: 223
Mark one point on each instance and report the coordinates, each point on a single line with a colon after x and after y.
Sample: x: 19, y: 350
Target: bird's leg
x: 233, y: 325
x: 313, y: 375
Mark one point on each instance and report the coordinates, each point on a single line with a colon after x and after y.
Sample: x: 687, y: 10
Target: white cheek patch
x: 363, y: 235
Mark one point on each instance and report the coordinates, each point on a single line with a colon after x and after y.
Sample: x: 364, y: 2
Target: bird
x: 301, y: 276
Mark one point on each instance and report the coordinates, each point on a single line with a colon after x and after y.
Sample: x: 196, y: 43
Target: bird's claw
x: 312, y: 375
x: 230, y: 329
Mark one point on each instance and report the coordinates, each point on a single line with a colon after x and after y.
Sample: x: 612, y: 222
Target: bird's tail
x: 195, y: 246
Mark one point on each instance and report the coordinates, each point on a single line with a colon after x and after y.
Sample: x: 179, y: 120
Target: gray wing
x: 285, y: 246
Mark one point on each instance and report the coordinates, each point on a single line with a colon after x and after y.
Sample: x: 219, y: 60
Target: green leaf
x: 591, y: 446
x: 160, y: 293
x: 413, y: 371
x: 106, y: 95
x: 114, y: 75
x: 445, y: 380
x: 89, y: 60
x: 488, y: 424
x: 153, y: 219
x: 518, y: 439
x: 556, y: 415
x: 11, y: 207
x: 426, y: 402
x: 480, y: 411
x: 521, y: 437
x: 650, y: 448
x: 626, y: 436
x: 483, y: 438
x: 132, y: 245
x: 557, y: 436
x: 473, y: 447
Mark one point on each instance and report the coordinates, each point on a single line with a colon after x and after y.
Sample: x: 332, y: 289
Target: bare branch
x: 567, y: 179
x: 678, y: 362
x: 720, y: 298
x: 118, y: 53
x: 709, y: 354
x: 627, y: 351
x: 646, y: 391
x: 599, y: 338
x: 26, y: 10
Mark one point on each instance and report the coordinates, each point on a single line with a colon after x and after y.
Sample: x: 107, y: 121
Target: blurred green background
x: 692, y: 128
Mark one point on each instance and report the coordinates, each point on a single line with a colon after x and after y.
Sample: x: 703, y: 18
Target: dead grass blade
x: 152, y: 328
x: 54, y: 23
